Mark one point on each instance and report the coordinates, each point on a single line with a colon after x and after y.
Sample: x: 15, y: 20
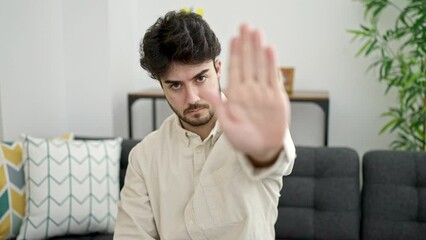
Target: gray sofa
x: 322, y: 198
x: 394, y: 196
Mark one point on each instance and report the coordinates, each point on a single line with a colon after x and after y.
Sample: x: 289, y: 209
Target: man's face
x: 183, y: 84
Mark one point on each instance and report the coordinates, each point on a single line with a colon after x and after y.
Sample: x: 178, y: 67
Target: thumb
x: 214, y: 98
x: 219, y: 102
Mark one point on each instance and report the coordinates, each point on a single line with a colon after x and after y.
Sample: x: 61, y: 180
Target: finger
x: 213, y: 97
x: 247, y: 55
x: 222, y: 111
x: 261, y: 64
x: 272, y: 67
x: 234, y: 65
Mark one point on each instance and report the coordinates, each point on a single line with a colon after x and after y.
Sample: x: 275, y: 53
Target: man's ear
x: 218, y: 67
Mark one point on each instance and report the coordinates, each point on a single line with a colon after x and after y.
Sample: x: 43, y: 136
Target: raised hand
x: 256, y: 115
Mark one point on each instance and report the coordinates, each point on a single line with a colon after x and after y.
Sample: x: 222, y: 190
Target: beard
x: 197, y: 120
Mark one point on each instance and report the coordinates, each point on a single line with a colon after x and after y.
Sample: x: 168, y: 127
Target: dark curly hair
x: 177, y: 37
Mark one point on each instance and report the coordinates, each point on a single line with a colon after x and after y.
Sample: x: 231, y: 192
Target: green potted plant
x: 398, y: 54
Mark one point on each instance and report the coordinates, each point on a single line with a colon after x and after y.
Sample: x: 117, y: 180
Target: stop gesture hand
x: 256, y: 115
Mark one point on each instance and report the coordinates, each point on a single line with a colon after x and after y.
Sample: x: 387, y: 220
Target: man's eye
x: 175, y: 86
x: 201, y: 79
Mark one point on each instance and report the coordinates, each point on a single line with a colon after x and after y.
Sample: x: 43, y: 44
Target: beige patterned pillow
x: 72, y: 186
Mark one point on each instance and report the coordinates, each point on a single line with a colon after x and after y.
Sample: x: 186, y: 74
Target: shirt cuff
x: 282, y: 166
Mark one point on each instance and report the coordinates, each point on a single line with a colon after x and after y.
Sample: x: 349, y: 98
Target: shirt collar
x: 189, y: 137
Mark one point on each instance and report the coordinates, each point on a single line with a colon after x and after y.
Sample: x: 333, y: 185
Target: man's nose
x: 192, y: 95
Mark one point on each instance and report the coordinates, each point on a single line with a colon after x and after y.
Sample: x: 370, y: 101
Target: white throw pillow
x: 72, y: 186
x: 12, y: 187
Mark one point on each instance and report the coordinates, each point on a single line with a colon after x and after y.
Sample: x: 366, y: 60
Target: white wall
x: 31, y: 68
x: 89, y: 87
x: 68, y: 65
x: 124, y: 70
x: 55, y: 68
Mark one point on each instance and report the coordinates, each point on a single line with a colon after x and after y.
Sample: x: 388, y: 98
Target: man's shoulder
x: 155, y: 142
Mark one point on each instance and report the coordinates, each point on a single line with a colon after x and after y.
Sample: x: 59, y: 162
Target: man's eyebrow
x: 194, y: 77
x: 200, y: 73
x: 171, y: 81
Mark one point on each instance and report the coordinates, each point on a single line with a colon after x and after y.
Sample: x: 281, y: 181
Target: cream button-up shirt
x: 179, y: 187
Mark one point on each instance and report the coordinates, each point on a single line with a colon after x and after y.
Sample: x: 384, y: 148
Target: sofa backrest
x: 394, y: 195
x: 126, y: 147
x: 320, y: 199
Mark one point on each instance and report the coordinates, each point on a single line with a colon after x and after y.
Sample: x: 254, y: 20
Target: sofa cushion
x: 12, y: 187
x: 89, y: 236
x: 72, y: 187
x: 394, y: 195
x: 320, y: 199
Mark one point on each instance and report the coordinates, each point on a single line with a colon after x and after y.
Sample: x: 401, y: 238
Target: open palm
x: 255, y: 116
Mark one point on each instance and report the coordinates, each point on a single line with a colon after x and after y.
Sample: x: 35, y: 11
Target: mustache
x: 195, y: 106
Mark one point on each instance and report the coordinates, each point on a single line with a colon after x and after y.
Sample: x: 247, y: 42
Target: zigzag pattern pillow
x: 12, y: 187
x: 72, y: 187
x: 12, y: 194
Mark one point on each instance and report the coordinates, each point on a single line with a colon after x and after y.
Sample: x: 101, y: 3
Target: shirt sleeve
x: 135, y: 219
x: 283, y: 166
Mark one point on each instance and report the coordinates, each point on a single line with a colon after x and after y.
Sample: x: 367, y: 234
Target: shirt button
x: 191, y: 223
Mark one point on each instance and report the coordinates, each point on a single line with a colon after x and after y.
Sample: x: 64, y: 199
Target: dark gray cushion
x: 126, y: 147
x: 92, y: 236
x: 321, y: 197
x: 394, y: 195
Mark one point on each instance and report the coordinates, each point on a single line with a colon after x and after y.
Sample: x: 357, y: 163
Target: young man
x: 214, y: 169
